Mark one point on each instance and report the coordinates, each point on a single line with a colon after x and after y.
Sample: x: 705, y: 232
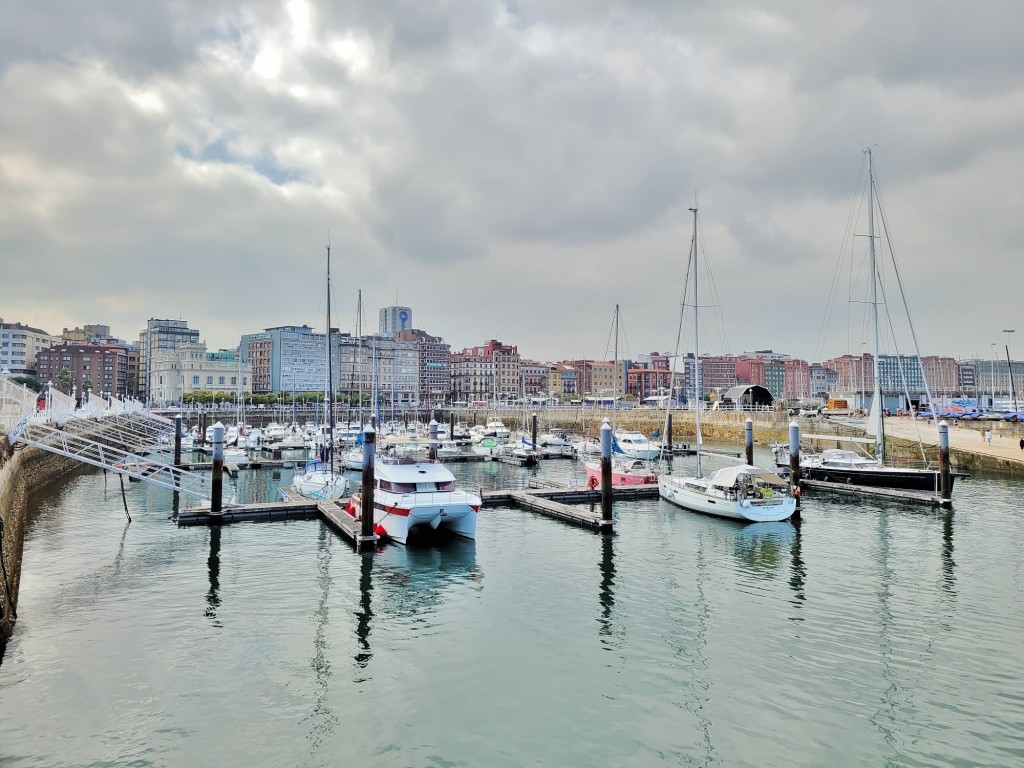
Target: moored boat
x: 413, y: 496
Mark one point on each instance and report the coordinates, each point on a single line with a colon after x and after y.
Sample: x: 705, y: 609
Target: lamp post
x: 1009, y: 367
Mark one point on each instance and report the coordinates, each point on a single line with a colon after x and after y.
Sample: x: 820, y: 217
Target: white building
x: 395, y: 319
x: 19, y: 345
x: 190, y: 368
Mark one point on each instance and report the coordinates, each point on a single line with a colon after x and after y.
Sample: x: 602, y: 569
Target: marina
x: 646, y: 628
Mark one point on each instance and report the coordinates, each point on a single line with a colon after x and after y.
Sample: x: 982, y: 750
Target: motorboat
x: 741, y: 492
x: 412, y: 496
x: 634, y: 445
x: 319, y: 481
x: 625, y: 471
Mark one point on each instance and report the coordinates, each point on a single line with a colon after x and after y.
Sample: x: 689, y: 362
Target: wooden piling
x: 533, y: 435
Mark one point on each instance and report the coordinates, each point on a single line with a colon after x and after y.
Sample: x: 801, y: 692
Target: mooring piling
x: 606, y: 471
x: 367, y: 538
x: 177, y: 440
x: 217, y: 485
x: 945, y: 486
x: 748, y: 440
x: 433, y: 440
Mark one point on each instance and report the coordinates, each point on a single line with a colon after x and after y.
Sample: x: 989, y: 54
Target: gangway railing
x: 74, y: 446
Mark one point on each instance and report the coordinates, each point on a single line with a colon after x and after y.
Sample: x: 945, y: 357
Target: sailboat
x: 629, y: 467
x: 318, y: 479
x: 741, y: 492
x: 839, y: 465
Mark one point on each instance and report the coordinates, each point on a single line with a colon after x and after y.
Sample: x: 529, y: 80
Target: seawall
x: 22, y: 472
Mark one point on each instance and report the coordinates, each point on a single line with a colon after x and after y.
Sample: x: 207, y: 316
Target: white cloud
x: 512, y: 169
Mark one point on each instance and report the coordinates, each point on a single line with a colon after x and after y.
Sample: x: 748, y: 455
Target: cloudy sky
x: 512, y: 170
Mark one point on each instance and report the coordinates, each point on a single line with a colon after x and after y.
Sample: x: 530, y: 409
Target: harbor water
x: 872, y: 633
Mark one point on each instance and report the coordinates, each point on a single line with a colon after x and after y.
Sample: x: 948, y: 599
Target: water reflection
x: 213, y: 567
x: 760, y: 548
x: 797, y: 571
x: 364, y: 615
x: 948, y: 563
x: 606, y: 594
x: 324, y: 720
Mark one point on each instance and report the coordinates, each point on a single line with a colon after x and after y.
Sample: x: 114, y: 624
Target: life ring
x: 592, y: 482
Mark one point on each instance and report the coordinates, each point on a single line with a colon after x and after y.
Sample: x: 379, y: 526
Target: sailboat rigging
x: 319, y: 479
x: 742, y: 492
x: 848, y: 466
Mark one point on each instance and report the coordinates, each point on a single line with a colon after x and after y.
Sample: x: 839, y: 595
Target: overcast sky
x: 512, y: 170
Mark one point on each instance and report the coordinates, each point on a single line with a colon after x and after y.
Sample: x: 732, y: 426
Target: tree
x: 29, y: 381
x: 65, y: 380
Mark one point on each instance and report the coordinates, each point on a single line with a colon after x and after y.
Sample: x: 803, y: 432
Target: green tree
x: 29, y: 381
x: 65, y: 381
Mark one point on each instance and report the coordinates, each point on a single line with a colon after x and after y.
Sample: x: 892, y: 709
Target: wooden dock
x: 206, y: 466
x: 891, y: 494
x: 584, y: 516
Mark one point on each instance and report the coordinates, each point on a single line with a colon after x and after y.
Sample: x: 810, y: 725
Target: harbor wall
x: 22, y: 472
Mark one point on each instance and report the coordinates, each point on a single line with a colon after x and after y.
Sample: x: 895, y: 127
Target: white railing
x: 17, y: 404
x: 96, y: 406
x: 60, y: 408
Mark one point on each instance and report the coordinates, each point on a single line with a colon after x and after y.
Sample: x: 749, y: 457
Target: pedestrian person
x: 1022, y: 443
x: 988, y: 436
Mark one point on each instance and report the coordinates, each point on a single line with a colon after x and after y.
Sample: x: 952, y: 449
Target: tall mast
x: 615, y: 390
x: 696, y: 343
x: 876, y: 402
x: 329, y: 448
x: 359, y: 350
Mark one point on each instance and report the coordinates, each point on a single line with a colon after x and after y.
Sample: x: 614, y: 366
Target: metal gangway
x: 110, y: 434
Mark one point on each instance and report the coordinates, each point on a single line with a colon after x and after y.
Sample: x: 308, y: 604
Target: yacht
x: 634, y: 445
x: 739, y: 492
x: 413, y: 496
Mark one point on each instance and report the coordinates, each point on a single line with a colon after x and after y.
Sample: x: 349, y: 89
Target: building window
x: 220, y: 381
x: 195, y: 381
x: 209, y: 380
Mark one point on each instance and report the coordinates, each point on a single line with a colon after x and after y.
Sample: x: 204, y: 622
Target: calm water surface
x: 872, y: 634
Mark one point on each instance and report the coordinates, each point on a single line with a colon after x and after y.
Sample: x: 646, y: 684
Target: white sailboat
x: 318, y: 479
x: 739, y: 492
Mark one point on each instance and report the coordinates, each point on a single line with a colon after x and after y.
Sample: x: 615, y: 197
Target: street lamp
x: 1009, y: 366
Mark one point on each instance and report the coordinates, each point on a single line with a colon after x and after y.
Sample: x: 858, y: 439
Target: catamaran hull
x: 399, y: 524
x: 772, y: 510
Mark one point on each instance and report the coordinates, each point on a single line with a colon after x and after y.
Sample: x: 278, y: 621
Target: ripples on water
x: 871, y: 634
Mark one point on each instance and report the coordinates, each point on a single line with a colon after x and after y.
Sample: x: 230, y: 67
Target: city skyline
x: 522, y: 167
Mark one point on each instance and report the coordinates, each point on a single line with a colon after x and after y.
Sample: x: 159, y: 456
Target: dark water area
x: 870, y: 634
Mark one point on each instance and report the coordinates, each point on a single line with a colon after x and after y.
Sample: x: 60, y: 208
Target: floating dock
x: 891, y: 494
